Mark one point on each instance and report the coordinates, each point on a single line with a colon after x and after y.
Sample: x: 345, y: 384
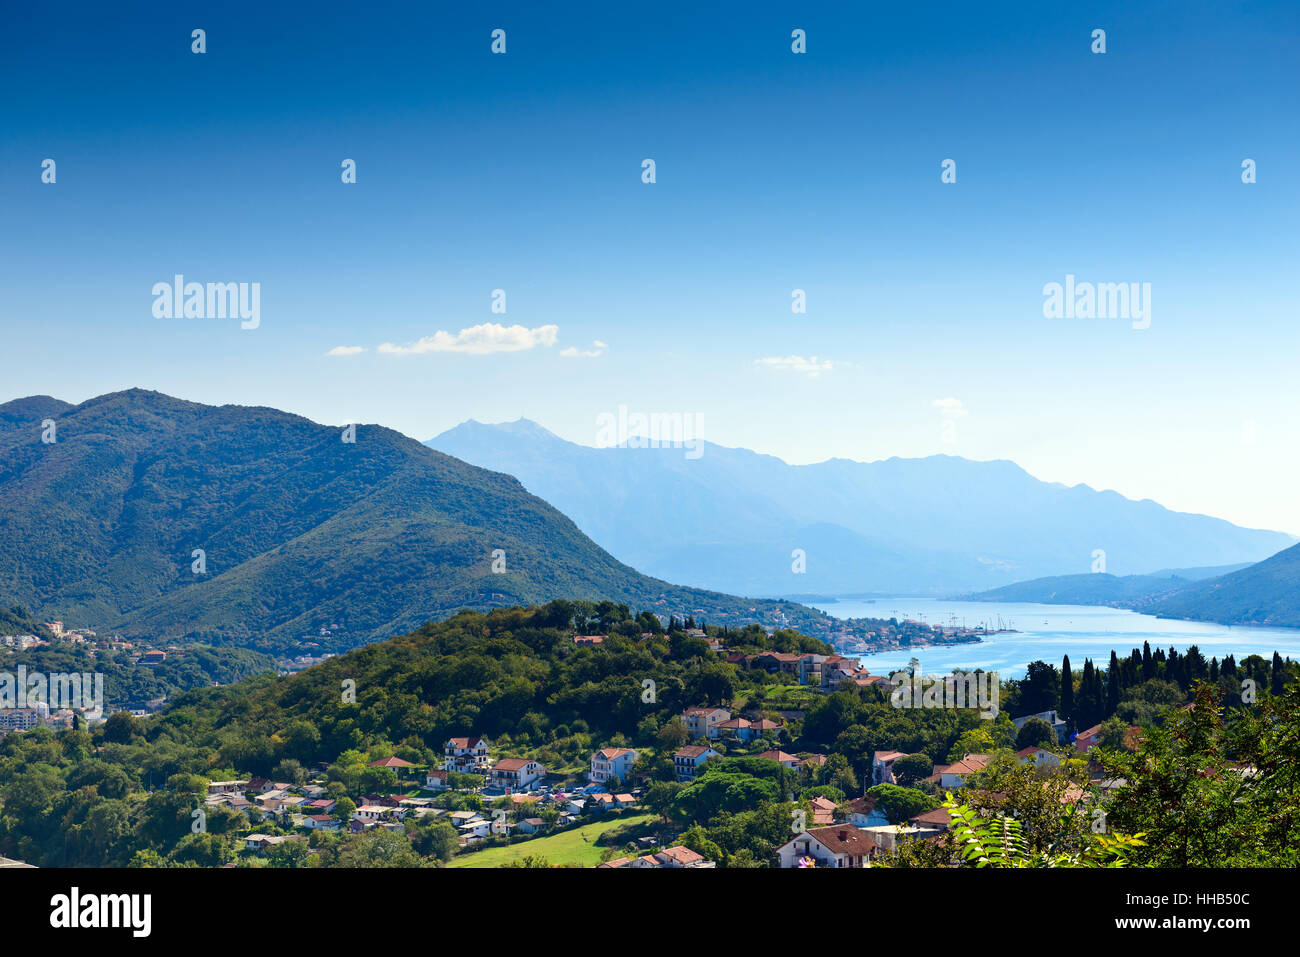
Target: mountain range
x: 156, y: 517
x: 731, y: 519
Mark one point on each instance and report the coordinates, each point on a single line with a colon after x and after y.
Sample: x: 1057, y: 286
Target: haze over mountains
x: 730, y: 519
x: 300, y: 530
x: 1266, y: 593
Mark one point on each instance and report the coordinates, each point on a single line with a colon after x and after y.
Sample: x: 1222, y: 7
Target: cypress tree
x: 1112, y: 685
x: 1148, y: 663
x: 1067, y: 690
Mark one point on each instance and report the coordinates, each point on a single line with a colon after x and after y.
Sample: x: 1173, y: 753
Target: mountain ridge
x: 304, y: 537
x: 933, y: 525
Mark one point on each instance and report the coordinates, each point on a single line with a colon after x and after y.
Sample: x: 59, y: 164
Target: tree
x: 912, y: 768
x: 1040, y: 690
x: 1036, y: 733
x: 900, y: 804
x: 1067, y: 689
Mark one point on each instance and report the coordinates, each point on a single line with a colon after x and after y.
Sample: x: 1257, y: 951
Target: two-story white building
x: 703, y: 722
x: 610, y: 763
x: 690, y: 759
x: 512, y: 775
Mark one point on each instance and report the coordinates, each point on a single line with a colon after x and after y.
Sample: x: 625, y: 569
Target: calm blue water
x: 1047, y: 632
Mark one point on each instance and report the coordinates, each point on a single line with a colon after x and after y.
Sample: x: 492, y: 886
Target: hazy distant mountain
x: 1267, y: 593
x: 1087, y: 589
x: 731, y: 518
x: 1264, y: 593
x: 300, y: 530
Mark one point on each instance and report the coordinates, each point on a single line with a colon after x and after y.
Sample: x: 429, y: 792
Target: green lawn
x: 576, y: 846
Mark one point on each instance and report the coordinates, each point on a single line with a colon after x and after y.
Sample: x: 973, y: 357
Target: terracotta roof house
x: 391, y: 762
x: 789, y: 760
x: 823, y: 811
x: 936, y: 820
x: 690, y: 759
x: 954, y: 775
x: 840, y: 845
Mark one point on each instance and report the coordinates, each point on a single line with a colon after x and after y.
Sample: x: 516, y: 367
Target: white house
x: 954, y: 775
x: 840, y: 845
x: 466, y: 755
x: 611, y: 763
x: 882, y: 766
x: 515, y: 774
x: 690, y: 759
x: 703, y: 722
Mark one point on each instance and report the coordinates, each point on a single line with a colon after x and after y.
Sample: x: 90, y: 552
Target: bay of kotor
x: 1047, y: 632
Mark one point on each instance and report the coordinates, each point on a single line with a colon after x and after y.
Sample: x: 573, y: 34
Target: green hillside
x: 1267, y: 593
x: 307, y: 539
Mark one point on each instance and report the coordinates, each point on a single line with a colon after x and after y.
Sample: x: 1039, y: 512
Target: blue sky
x: 775, y: 171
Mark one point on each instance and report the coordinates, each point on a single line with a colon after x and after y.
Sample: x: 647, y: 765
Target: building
x: 610, y: 763
x: 954, y: 775
x: 739, y: 729
x: 1085, y: 741
x: 840, y: 845
x: 515, y: 774
x: 466, y: 755
x: 678, y: 856
x: 703, y: 722
x: 823, y: 809
x: 690, y: 759
x: 882, y: 766
x: 1038, y: 757
x: 780, y: 757
x: 436, y: 780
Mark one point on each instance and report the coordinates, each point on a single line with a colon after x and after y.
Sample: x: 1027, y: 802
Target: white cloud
x: 811, y: 366
x: 479, y: 340
x: 949, y: 407
x: 346, y: 351
x: 595, y: 352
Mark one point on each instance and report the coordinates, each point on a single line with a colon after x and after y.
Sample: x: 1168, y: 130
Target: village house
x: 466, y: 755
x: 436, y: 780
x: 954, y: 775
x: 863, y: 813
x: 823, y: 811
x: 780, y: 757
x: 777, y: 662
x: 1038, y: 757
x: 674, y: 857
x: 882, y: 766
x: 320, y: 822
x: 737, y: 729
x: 840, y: 845
x: 1085, y: 741
x: 515, y: 774
x: 690, y: 759
x: 930, y: 823
x: 531, y: 825
x: 611, y: 763
x: 703, y: 722
x: 837, y: 669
